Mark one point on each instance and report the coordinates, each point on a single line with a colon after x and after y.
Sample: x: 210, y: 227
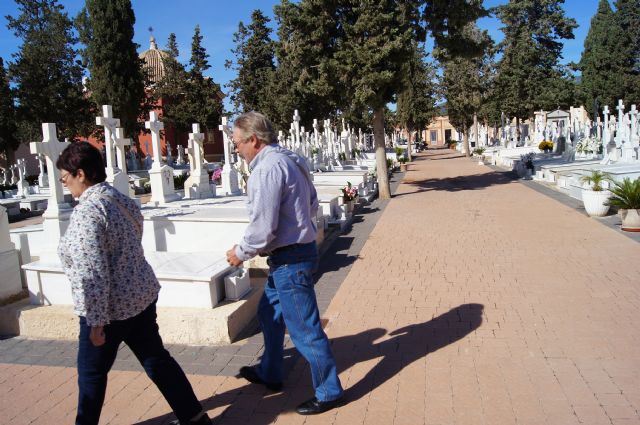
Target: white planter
x: 630, y: 220
x: 595, y: 202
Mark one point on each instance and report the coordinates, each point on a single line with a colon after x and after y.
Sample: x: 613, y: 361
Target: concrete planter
x: 595, y: 202
x: 630, y: 220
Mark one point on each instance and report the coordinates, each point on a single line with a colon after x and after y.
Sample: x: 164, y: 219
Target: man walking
x: 282, y: 211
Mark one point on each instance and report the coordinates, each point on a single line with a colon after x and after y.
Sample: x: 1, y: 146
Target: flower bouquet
x: 349, y: 193
x: 216, y: 175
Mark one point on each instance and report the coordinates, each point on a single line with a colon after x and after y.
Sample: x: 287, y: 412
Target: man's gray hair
x: 253, y: 122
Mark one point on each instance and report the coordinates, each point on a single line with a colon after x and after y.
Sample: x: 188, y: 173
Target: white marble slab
x: 187, y: 280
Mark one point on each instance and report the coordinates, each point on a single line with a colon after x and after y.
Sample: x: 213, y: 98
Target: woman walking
x: 114, y: 290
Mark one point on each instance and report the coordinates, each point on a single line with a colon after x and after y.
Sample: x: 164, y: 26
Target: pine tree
x: 116, y: 74
x: 254, y: 63
x: 531, y: 51
x: 627, y: 25
x: 47, y: 77
x: 8, y: 140
x: 601, y: 65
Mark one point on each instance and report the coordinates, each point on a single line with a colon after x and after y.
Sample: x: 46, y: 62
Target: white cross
x: 120, y: 143
x: 51, y: 148
x: 155, y: 126
x: 109, y: 123
x: 196, y: 139
x: 226, y: 137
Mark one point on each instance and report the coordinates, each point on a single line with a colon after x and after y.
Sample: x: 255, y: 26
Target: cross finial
x: 620, y: 106
x: 296, y: 116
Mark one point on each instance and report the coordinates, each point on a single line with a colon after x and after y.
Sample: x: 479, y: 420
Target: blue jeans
x: 140, y: 333
x: 290, y: 300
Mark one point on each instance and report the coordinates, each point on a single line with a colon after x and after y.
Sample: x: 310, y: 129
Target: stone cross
x: 3, y: 181
x: 51, y: 148
x: 633, y: 113
x: 43, y: 181
x: 196, y: 139
x: 155, y: 126
x: 619, y: 132
x: 316, y: 136
x: 14, y: 174
x: 296, y: 128
x: 109, y: 123
x: 180, y: 160
x: 120, y: 143
x: 226, y: 137
x: 169, y: 156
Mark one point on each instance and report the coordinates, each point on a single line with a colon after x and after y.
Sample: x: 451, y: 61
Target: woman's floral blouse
x: 102, y: 255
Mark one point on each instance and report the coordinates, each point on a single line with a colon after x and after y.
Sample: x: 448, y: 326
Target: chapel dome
x: 154, y: 61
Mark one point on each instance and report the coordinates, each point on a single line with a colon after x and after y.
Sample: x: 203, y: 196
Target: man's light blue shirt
x: 282, y: 203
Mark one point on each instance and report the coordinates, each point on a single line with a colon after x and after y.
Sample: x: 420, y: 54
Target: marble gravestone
x: 11, y: 282
x: 160, y: 175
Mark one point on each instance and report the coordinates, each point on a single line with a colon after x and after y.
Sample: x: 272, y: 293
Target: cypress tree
x: 8, y: 140
x: 47, y: 77
x: 416, y: 101
x: 172, y: 88
x: 116, y: 74
x: 627, y: 26
x: 254, y: 63
x: 601, y: 83
x: 465, y: 82
x: 202, y: 103
x: 531, y: 51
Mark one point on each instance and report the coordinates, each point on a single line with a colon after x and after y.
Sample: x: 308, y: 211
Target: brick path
x: 475, y: 300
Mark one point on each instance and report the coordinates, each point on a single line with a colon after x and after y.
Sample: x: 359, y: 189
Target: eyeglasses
x: 63, y: 178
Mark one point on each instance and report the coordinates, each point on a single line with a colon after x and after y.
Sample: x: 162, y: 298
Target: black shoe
x: 314, y: 406
x: 249, y: 373
x: 204, y: 420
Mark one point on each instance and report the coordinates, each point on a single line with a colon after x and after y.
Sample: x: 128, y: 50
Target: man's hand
x: 232, y: 259
x: 97, y: 336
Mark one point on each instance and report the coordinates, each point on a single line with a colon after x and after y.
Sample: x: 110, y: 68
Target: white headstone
x: 160, y: 176
x: 56, y: 216
x: 11, y: 282
x: 230, y: 183
x: 197, y: 185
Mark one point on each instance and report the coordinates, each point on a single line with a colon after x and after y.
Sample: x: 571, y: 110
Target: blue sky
x: 218, y: 21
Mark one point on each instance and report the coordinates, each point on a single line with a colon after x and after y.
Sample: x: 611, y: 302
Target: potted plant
x: 403, y: 163
x: 594, y: 195
x: 546, y: 146
x: 626, y: 197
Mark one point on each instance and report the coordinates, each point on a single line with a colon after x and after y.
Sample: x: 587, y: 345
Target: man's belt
x: 280, y: 249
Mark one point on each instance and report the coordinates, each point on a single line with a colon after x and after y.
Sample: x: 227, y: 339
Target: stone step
x: 194, y: 326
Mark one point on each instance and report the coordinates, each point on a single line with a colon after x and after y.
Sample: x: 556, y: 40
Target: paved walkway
x: 475, y: 300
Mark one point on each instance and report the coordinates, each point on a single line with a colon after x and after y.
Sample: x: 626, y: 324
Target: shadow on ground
x: 459, y: 183
x: 253, y: 404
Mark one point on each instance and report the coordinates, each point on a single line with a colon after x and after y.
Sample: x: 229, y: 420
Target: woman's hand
x: 97, y: 336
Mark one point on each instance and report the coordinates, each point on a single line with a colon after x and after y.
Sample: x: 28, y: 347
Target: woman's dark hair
x: 82, y: 156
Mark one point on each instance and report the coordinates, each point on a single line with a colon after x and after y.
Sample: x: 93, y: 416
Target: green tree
x: 202, y: 98
x: 8, y: 140
x: 601, y: 81
x: 254, y: 64
x: 116, y: 74
x: 309, y: 33
x: 45, y: 72
x: 627, y: 27
x: 416, y: 101
x: 465, y: 81
x: 531, y: 50
x: 172, y: 87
